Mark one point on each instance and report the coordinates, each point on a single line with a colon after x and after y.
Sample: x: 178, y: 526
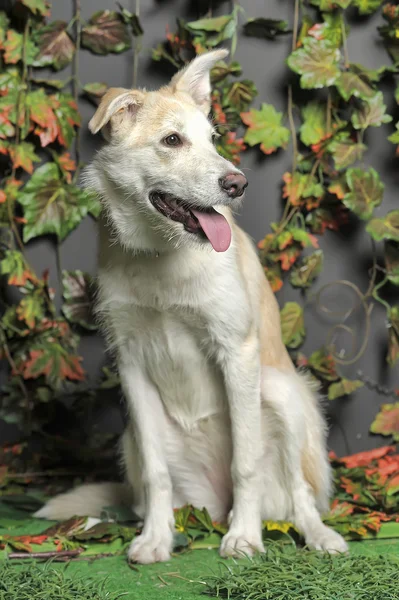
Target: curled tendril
x: 344, y: 315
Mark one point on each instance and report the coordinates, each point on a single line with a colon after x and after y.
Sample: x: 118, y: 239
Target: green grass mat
x: 184, y: 576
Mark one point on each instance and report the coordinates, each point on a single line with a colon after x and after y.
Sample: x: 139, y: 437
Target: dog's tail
x: 86, y: 501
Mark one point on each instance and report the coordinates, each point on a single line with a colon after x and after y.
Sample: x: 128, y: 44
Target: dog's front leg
x: 146, y: 411
x: 241, y: 368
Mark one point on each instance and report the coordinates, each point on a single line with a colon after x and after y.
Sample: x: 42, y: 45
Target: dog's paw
x: 151, y: 547
x: 327, y: 540
x: 240, y: 544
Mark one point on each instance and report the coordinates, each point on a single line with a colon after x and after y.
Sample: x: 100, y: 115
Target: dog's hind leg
x: 301, y: 468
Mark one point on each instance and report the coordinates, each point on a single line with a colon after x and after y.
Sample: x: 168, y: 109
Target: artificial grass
x: 187, y: 576
x: 34, y: 583
x: 286, y: 573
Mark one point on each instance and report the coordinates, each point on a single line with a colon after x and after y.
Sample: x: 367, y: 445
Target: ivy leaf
x: 301, y: 188
x: 54, y: 362
x: 78, y: 293
x: 239, y: 95
x: 265, y: 28
x: 367, y: 7
x: 372, y: 113
x: 31, y: 309
x: 329, y: 217
x: 385, y: 228
x: 329, y: 5
x: 212, y: 31
x: 132, y: 20
x: 366, y: 192
x: 4, y: 24
x: 41, y: 113
x: 292, y: 324
x: 221, y: 70
x: 355, y: 82
x: 314, y: 127
x: 273, y: 274
x: 393, y: 334
x: 38, y: 7
x: 65, y: 163
x: 307, y: 270
x: 391, y: 255
x: 343, y: 388
x: 56, y: 49
x: 230, y: 147
x: 106, y: 32
x: 52, y: 206
x: 265, y: 128
x: 24, y: 156
x: 345, y: 151
x: 323, y: 365
x: 95, y: 91
x: 394, y: 137
x: 330, y: 29
x: 317, y: 63
x: 68, y: 117
x: 13, y: 264
x: 387, y: 421
x: 13, y: 47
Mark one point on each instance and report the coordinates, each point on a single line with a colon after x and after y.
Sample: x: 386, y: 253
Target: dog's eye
x: 172, y: 140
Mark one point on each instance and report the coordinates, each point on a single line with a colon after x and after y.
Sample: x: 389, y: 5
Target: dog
x: 218, y: 415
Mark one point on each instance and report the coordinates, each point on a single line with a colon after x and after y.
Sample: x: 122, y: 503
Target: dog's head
x: 162, y: 163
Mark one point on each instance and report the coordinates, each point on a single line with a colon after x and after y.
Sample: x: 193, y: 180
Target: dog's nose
x: 233, y: 184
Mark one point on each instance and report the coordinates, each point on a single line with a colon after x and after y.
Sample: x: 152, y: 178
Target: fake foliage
x: 330, y: 185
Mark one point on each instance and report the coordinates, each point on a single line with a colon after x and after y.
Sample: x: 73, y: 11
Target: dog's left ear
x: 195, y: 78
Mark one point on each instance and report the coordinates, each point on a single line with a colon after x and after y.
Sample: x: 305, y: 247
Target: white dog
x: 218, y: 416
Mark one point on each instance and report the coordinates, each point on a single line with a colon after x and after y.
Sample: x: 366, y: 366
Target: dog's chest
x: 174, y: 347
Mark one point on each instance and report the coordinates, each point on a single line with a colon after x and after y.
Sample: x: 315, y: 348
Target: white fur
x: 218, y: 415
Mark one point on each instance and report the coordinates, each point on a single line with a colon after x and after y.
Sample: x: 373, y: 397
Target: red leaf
x: 363, y: 459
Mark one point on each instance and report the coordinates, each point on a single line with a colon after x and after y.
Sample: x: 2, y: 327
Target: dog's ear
x: 118, y: 108
x: 195, y: 78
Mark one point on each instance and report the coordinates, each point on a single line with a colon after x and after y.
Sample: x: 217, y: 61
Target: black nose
x: 233, y: 184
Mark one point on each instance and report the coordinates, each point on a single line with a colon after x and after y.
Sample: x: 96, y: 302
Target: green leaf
x: 317, y: 63
x: 301, y: 187
x: 343, y: 388
x: 132, y: 20
x: 367, y: 7
x: 51, y: 205
x: 238, y: 95
x: 372, y: 113
x: 329, y: 5
x: 387, y: 421
x: 213, y: 31
x: 330, y: 29
x: 345, y: 151
x: 38, y: 7
x: 24, y: 156
x: 314, y: 127
x: 366, y: 192
x: 78, y: 293
x: 95, y: 91
x: 265, y: 128
x: 52, y: 361
x: 385, y: 228
x: 304, y: 274
x: 355, y: 82
x: 265, y: 28
x: 31, y: 309
x: 391, y: 255
x: 106, y: 32
x: 110, y: 531
x: 14, y: 265
x: 13, y: 48
x: 394, y: 137
x: 393, y: 336
x: 292, y: 324
x: 56, y: 49
x: 323, y: 364
x: 4, y: 23
x: 67, y: 118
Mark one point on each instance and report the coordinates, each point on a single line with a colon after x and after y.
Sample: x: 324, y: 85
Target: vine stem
x: 75, y: 75
x: 136, y: 49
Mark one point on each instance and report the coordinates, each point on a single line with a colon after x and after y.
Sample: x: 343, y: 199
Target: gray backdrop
x: 347, y: 256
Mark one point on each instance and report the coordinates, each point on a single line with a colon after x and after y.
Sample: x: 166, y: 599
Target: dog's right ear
x: 118, y: 108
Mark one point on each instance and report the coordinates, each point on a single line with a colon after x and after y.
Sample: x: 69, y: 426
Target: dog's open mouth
x: 196, y: 220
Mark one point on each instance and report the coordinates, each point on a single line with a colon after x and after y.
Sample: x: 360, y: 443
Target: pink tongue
x: 215, y: 227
